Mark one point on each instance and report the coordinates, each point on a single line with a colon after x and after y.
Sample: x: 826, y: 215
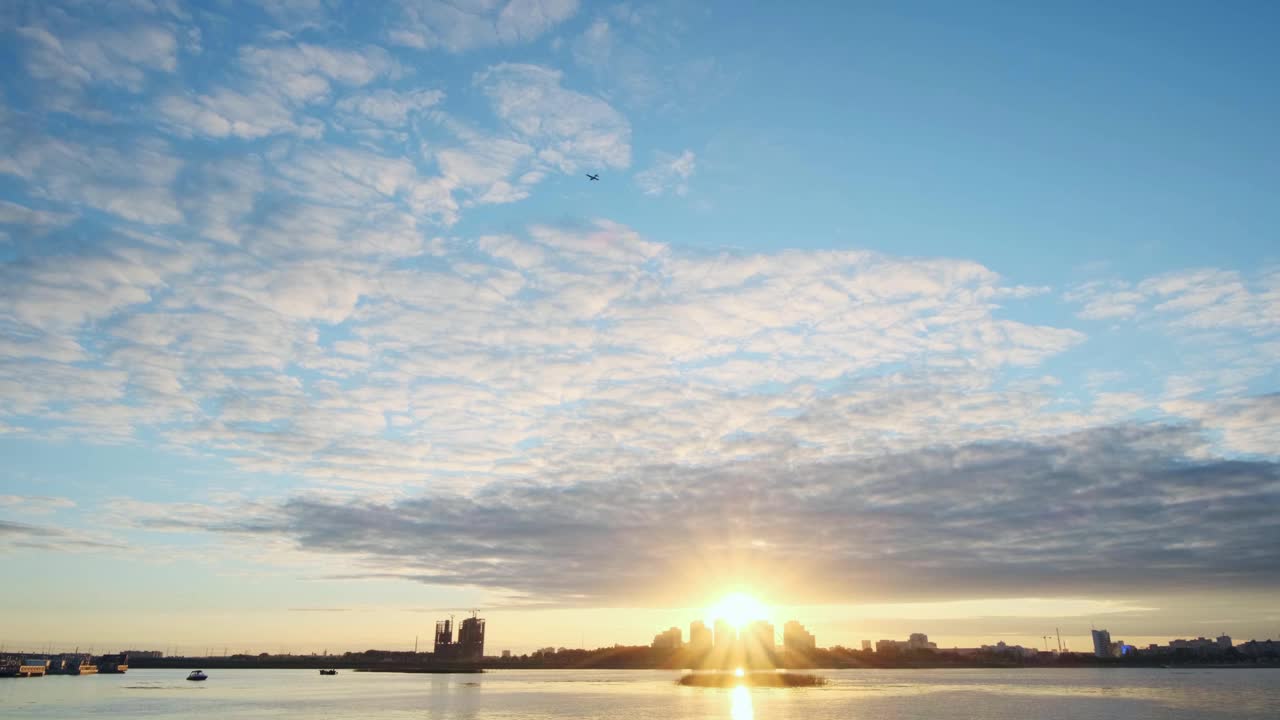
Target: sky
x: 955, y: 318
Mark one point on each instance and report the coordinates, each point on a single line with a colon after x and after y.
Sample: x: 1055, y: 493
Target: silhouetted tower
x: 1101, y: 643
x: 444, y: 638
x: 471, y: 638
x: 699, y: 637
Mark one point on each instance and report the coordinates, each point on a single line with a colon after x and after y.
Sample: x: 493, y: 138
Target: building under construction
x: 470, y: 644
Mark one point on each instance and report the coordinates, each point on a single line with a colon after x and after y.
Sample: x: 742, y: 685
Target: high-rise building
x: 866, y: 646
x: 444, y: 636
x: 668, y: 639
x: 699, y: 636
x: 796, y: 639
x: 1101, y: 643
x: 920, y: 641
x: 726, y: 635
x: 471, y: 638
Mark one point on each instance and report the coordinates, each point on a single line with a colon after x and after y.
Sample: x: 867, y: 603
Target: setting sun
x: 737, y: 609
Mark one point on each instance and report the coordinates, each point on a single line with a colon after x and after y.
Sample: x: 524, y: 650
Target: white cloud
x: 1105, y: 301
x: 388, y: 108
x: 118, y: 57
x: 1196, y: 299
x: 670, y: 173
x: 37, y: 221
x: 227, y: 113
x: 1246, y: 424
x: 594, y: 46
x: 54, y: 293
x: 305, y: 73
x: 468, y: 358
x: 466, y: 24
x: 132, y: 182
x: 220, y: 197
x: 570, y: 130
x: 299, y: 14
x: 17, y: 342
x: 304, y: 291
x: 279, y: 81
x: 35, y: 504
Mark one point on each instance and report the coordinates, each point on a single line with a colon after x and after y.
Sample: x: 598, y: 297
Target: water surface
x: 1133, y: 694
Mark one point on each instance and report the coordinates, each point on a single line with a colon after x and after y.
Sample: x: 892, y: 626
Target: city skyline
x: 722, y: 639
x: 896, y: 317
x: 718, y: 635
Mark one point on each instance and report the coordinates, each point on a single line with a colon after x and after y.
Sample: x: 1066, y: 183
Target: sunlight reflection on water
x: 741, y: 708
x: 1042, y: 694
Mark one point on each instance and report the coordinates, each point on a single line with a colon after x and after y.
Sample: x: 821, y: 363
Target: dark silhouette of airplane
x: 593, y: 178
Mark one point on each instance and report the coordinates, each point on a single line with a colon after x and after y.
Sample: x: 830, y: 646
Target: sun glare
x: 737, y: 609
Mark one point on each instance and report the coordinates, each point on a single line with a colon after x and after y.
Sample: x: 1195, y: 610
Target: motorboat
x: 197, y: 675
x: 329, y: 671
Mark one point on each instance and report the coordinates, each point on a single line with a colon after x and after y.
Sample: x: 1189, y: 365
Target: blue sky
x: 308, y: 305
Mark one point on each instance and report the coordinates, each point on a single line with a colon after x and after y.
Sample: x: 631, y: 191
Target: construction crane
x: 1046, y: 642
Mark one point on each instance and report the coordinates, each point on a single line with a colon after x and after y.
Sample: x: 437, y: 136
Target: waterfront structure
x: 669, y: 639
x: 1101, y: 643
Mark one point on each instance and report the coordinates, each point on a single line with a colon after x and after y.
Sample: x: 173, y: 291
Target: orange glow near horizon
x: 738, y: 609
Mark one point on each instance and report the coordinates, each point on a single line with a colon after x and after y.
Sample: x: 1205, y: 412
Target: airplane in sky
x: 593, y: 177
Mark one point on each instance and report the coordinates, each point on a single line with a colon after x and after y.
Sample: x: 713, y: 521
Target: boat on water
x: 329, y: 671
x: 197, y: 675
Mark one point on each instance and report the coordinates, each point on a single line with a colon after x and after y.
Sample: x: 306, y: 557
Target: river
x: 1021, y: 694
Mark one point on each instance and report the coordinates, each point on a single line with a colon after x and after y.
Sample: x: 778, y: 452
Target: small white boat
x: 197, y: 675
